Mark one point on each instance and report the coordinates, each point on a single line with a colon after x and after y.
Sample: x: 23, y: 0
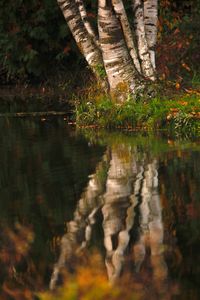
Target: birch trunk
x: 122, y: 76
x: 143, y: 48
x: 114, y: 49
x: 150, y: 21
x: 83, y: 39
x: 87, y: 24
x: 121, y: 15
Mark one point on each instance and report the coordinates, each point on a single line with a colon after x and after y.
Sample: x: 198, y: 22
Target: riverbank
x: 177, y: 112
x: 167, y: 109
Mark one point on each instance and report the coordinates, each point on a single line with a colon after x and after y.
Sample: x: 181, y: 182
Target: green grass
x: 178, y: 115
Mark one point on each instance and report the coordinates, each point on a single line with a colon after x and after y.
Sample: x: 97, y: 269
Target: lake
x: 65, y: 194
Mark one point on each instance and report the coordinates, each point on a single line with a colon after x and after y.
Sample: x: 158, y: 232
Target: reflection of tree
x: 41, y: 166
x: 130, y: 181
x: 118, y: 208
x: 180, y: 187
x: 151, y: 227
x: 79, y: 230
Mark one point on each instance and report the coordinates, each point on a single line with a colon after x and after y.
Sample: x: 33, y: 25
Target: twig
x: 35, y: 114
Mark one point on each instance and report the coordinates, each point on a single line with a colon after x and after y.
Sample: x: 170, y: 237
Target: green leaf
x: 39, y: 33
x: 63, y: 31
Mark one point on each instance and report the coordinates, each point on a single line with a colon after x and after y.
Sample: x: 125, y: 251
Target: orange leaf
x: 185, y: 66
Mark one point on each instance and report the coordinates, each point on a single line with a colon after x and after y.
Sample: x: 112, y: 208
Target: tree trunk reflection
x: 125, y: 180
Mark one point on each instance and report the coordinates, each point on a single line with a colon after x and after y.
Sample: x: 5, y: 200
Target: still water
x: 133, y: 198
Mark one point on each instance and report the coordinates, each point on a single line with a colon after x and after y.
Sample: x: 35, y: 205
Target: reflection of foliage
x: 42, y: 175
x: 180, y: 175
x: 36, y: 150
x: 90, y: 282
x: 87, y: 285
x: 156, y: 144
x: 14, y: 252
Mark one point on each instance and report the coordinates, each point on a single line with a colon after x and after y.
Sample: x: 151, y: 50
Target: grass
x: 179, y: 114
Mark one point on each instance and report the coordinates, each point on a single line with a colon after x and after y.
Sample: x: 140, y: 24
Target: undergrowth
x: 179, y: 114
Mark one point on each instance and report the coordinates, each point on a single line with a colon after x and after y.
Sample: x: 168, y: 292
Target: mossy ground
x: 176, y: 112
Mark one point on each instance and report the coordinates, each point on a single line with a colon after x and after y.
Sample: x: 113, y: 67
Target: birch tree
x: 120, y: 46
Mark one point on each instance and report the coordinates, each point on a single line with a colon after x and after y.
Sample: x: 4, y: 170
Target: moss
x: 100, y: 71
x: 120, y: 92
x: 122, y: 87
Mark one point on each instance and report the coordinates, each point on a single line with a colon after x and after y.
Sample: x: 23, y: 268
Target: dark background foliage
x: 35, y: 42
x: 34, y: 38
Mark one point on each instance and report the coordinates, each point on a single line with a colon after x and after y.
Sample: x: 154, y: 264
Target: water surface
x: 134, y: 198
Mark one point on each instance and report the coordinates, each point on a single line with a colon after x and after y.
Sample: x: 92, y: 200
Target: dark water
x: 135, y: 198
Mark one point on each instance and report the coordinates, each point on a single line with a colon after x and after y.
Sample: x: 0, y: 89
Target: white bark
x: 83, y: 39
x: 121, y: 14
x: 113, y: 48
x: 117, y: 61
x: 143, y: 48
x: 87, y: 24
x: 150, y: 21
